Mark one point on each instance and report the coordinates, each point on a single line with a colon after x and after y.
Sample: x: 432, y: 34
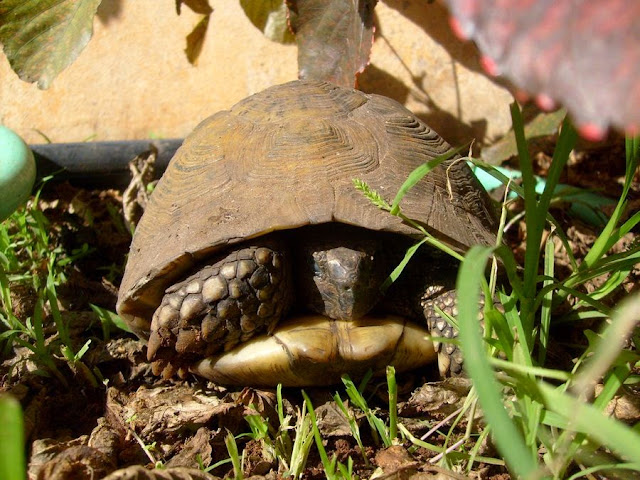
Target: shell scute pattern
x: 284, y: 158
x: 318, y: 100
x: 306, y: 149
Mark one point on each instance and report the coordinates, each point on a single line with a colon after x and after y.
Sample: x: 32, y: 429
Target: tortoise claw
x: 168, y: 370
x: 153, y: 345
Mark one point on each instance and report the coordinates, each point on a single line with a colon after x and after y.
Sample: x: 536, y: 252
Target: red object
x: 583, y: 54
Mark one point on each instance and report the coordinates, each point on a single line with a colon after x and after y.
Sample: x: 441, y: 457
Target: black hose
x: 98, y: 164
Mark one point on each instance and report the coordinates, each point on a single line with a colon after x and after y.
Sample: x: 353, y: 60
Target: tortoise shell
x: 285, y: 158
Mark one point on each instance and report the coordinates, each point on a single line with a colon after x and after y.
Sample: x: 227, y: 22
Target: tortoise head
x: 340, y: 275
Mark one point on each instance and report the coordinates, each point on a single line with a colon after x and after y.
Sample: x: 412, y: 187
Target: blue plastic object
x: 582, y: 204
x: 17, y: 172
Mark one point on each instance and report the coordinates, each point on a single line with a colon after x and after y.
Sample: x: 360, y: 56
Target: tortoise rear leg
x: 237, y: 296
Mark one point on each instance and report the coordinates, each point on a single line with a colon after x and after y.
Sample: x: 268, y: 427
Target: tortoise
x: 256, y: 220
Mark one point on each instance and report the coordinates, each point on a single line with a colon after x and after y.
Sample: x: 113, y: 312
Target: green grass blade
x: 280, y: 404
x: 12, y: 458
x: 630, y: 224
x: 329, y: 466
x: 586, y: 473
x: 393, y: 402
x: 53, y: 306
x: 437, y: 448
x: 547, y: 300
x: 623, y: 321
x: 353, y: 425
x: 632, y: 145
x: 393, y: 276
x: 418, y: 174
x: 232, y: 449
x: 301, y: 445
x: 379, y: 430
x: 588, y: 419
x: 533, y: 220
x: 507, y: 437
x: 38, y: 328
x: 613, y: 381
x: 530, y: 371
x: 609, y: 234
x: 109, y: 319
x: 511, y: 268
x: 564, y: 145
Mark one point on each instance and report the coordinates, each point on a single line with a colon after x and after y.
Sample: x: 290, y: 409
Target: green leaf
x: 334, y: 38
x: 270, y: 17
x: 43, y: 37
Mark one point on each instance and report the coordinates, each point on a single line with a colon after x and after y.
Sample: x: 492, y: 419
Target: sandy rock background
x: 133, y: 81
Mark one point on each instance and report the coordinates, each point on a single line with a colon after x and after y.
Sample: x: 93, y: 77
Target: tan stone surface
x: 133, y: 80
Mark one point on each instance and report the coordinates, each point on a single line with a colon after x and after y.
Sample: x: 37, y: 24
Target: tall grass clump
x: 547, y: 422
x: 31, y: 259
x: 550, y: 422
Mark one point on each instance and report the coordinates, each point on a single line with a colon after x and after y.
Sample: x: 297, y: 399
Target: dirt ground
x: 88, y: 431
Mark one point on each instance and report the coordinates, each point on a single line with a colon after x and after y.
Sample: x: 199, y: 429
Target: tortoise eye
x: 316, y: 269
